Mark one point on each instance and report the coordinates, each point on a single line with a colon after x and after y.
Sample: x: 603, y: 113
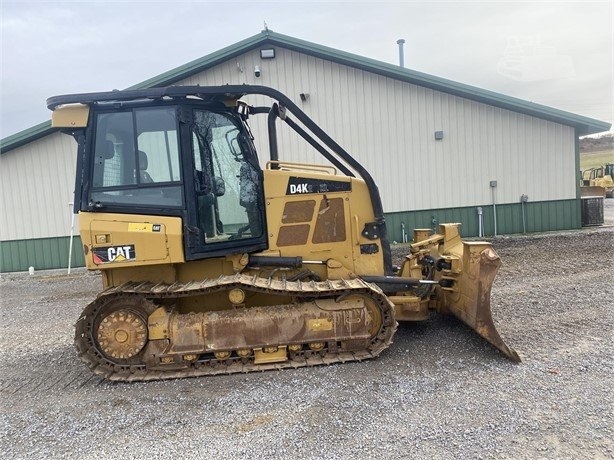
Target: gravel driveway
x: 439, y: 392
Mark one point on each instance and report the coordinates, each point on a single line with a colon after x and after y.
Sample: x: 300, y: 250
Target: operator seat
x: 143, y: 174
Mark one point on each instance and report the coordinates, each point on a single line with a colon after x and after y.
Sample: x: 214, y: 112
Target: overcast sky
x: 553, y: 53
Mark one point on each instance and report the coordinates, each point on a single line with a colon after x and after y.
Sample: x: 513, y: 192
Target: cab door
x: 226, y: 211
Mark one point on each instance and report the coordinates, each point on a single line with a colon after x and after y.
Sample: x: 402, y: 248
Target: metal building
x: 439, y: 150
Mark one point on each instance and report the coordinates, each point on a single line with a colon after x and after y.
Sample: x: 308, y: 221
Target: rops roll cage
x: 337, y: 156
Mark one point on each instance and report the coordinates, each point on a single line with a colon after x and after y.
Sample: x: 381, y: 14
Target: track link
x: 144, y: 295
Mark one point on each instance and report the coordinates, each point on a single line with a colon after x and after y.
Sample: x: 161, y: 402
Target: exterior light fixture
x: 268, y: 53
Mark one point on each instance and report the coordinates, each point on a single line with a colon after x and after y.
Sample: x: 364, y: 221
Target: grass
x: 595, y: 159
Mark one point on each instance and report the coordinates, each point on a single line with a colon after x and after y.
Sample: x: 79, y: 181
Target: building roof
x: 584, y: 125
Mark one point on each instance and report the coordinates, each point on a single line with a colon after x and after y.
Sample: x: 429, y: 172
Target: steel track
x: 100, y: 364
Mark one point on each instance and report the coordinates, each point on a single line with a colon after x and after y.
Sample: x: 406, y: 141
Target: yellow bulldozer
x: 212, y: 264
x: 602, y: 176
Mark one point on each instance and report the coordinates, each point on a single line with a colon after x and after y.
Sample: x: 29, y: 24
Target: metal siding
x: 389, y: 126
x: 40, y: 253
x: 540, y: 217
x: 37, y: 185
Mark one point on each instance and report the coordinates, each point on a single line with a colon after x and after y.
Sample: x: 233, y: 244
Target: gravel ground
x: 439, y: 392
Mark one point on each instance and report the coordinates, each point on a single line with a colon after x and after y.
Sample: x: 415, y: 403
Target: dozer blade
x: 469, y: 297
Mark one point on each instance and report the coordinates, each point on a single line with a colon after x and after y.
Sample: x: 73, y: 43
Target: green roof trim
x: 26, y: 136
x: 583, y: 125
x: 204, y: 63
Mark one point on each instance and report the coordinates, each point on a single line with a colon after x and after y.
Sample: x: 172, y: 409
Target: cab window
x: 136, y: 159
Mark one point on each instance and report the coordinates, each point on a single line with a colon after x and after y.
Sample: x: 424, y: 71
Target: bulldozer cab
x: 191, y: 160
x: 187, y: 153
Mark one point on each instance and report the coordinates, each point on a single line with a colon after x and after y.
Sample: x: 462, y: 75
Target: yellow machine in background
x: 212, y: 265
x: 602, y: 176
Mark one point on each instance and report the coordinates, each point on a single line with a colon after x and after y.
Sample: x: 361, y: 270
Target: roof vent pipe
x: 401, y: 42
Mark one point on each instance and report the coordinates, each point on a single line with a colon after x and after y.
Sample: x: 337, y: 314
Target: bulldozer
x: 602, y: 176
x: 214, y: 264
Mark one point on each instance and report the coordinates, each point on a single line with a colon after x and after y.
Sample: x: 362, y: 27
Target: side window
x: 227, y: 180
x: 157, y: 145
x: 113, y: 158
x: 136, y: 159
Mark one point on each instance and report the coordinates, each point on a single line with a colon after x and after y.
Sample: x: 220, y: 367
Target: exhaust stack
x: 401, y: 42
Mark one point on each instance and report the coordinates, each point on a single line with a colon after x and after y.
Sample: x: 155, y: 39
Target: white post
x: 72, y: 233
x: 493, y: 186
x: 480, y: 222
x: 494, y: 210
x: 523, y: 200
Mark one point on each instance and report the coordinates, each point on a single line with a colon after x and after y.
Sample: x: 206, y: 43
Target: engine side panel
x: 321, y: 216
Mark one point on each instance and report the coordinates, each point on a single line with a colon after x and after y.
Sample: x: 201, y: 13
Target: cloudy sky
x: 553, y: 53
